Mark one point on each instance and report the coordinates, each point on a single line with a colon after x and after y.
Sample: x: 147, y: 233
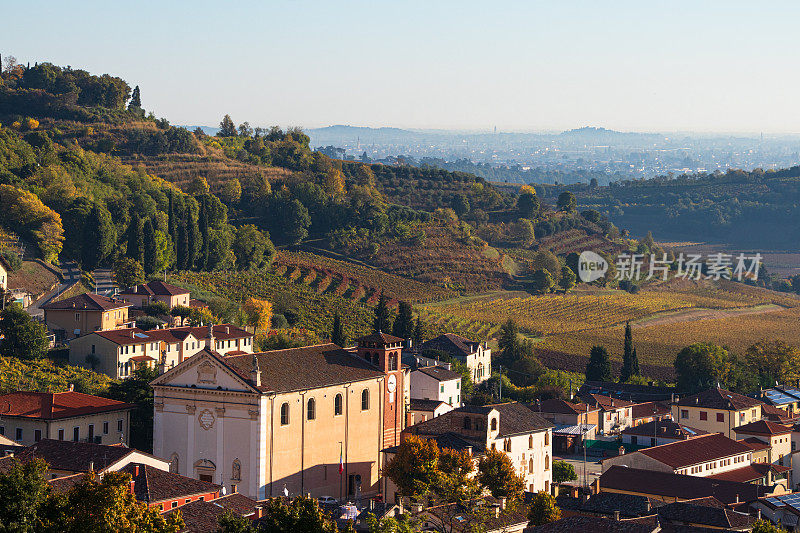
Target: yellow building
x: 716, y: 411
x: 28, y: 417
x: 302, y: 420
x: 84, y: 314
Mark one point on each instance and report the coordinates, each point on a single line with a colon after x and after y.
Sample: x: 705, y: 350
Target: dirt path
x: 690, y: 315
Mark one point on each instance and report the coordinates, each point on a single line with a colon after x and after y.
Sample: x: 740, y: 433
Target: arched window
x: 467, y: 422
x: 547, y: 462
x: 507, y: 445
x: 312, y: 409
x: 480, y: 370
x: 337, y: 405
x: 285, y: 414
x: 530, y: 441
x: 494, y: 424
x: 546, y: 438
x: 174, y: 464
x: 364, y: 399
x: 393, y: 361
x: 530, y: 464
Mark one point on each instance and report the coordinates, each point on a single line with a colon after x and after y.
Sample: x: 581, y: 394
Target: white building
x: 436, y: 383
x: 475, y: 355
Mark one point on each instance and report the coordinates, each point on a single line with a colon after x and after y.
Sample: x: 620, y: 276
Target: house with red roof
x: 117, y: 353
x: 476, y: 356
x: 717, y: 410
x: 156, y: 291
x: 28, y: 417
x: 85, y: 313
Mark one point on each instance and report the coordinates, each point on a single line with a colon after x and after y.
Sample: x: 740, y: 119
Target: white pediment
x: 203, y: 371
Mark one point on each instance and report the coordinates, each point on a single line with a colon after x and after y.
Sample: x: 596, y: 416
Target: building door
x: 208, y: 478
x: 353, y: 484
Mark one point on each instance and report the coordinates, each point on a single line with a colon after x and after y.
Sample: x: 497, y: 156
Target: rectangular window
x: 18, y: 435
x: 76, y: 434
x: 2, y: 430
x: 60, y: 434
x: 37, y: 435
x: 720, y: 417
x: 441, y: 388
x: 91, y: 432
x: 684, y: 413
x: 703, y: 415
x: 93, y: 348
x: 105, y: 428
x: 77, y: 317
x: 174, y: 505
x: 119, y: 425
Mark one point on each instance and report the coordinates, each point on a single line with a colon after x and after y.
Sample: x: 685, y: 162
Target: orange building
x: 84, y: 314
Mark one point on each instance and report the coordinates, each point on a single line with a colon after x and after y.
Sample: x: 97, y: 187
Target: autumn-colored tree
x: 258, y: 313
x: 496, y: 472
x: 198, y: 186
x: 456, y: 482
x: 231, y: 192
x: 200, y: 316
x: 23, y: 493
x: 180, y: 311
x: 24, y: 211
x: 334, y: 182
x: 543, y: 509
x: 414, y: 468
x: 365, y: 176
x: 774, y: 361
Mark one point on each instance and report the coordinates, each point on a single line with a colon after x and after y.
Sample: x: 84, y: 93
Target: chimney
x: 647, y: 505
x: 616, y: 515
x: 371, y: 504
x: 758, y: 514
x: 71, y: 387
x: 227, y: 329
x: 502, y: 504
x: 135, y: 289
x: 91, y: 466
x: 132, y: 487
x: 255, y: 373
x: 135, y: 470
x: 496, y: 511
x: 737, y: 499
x: 259, y: 512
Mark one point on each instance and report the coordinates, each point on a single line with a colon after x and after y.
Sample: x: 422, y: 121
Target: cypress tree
x: 150, y: 248
x: 194, y: 238
x: 136, y: 99
x: 337, y: 335
x: 100, y: 238
x: 635, y: 363
x: 182, y: 248
x: 417, y: 335
x: 404, y: 323
x: 627, y: 355
x: 202, y: 262
x: 381, y: 314
x: 172, y: 222
x: 599, y: 366
x: 135, y: 239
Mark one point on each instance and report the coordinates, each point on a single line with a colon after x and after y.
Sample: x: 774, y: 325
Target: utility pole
x: 500, y: 384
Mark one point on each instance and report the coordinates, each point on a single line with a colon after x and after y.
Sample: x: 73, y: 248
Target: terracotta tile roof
x: 439, y: 373
x: 694, y: 451
x: 719, y: 399
x: 628, y: 505
x: 199, y: 516
x: 606, y: 403
x: 650, y: 409
x: 665, y: 428
x: 418, y: 404
x: 562, y: 407
x: 380, y: 338
x: 153, y: 485
x: 155, y: 288
x: 74, y: 456
x: 708, y: 512
x: 172, y: 335
x: 452, y: 344
x: 748, y: 473
x: 755, y: 444
x: 515, y: 419
x: 237, y: 503
x: 775, y: 414
x: 650, y: 482
x: 763, y: 427
x: 197, y: 304
x: 304, y: 368
x: 50, y: 406
x: 87, y: 301
x: 592, y: 524
x: 65, y: 483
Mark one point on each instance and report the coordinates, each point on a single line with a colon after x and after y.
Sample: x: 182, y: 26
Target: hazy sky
x: 643, y: 65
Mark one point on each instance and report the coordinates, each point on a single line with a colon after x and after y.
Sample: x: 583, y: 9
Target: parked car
x: 327, y: 500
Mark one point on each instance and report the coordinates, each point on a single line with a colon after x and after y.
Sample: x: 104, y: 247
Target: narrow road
x: 70, y: 274
x: 104, y: 281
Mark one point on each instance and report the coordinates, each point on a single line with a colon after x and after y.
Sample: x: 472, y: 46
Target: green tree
x: 253, y: 248
x: 567, y: 279
x: 227, y: 128
x: 496, y: 473
x: 337, y: 335
x: 381, y: 323
x: 563, y: 471
x: 23, y: 337
x: 567, y: 202
x: 137, y: 391
x: 546, y: 260
x: 23, y: 494
x: 297, y: 222
x: 419, y: 333
x: 128, y: 272
x: 229, y: 522
x: 774, y: 361
x: 599, y: 366
x: 151, y: 251
x: 180, y: 311
x: 543, y: 509
x: 542, y: 281
x: 403, y: 326
x: 389, y: 525
x: 528, y: 205
x: 205, y: 249
x: 460, y: 205
x: 765, y: 526
x: 509, y: 342
x: 157, y: 308
x: 291, y: 516
x: 182, y: 245
x: 100, y: 236
x: 136, y: 100
x: 627, y: 356
x: 702, y: 366
x: 231, y: 192
x: 135, y: 249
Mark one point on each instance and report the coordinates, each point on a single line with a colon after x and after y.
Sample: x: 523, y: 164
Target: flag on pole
x: 341, y: 460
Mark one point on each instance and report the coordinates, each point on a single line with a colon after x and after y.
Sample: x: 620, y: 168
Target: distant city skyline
x: 711, y: 67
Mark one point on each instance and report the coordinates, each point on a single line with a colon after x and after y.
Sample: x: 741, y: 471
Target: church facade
x: 302, y: 420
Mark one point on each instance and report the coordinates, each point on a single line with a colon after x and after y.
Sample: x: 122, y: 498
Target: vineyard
x: 315, y: 308
x: 555, y: 314
x: 577, y: 240
x: 359, y: 283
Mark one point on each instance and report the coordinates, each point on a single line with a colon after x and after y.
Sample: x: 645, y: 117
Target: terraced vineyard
x: 356, y: 282
x: 316, y: 309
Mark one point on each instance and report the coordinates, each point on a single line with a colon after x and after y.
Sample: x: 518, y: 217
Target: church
x: 301, y: 420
